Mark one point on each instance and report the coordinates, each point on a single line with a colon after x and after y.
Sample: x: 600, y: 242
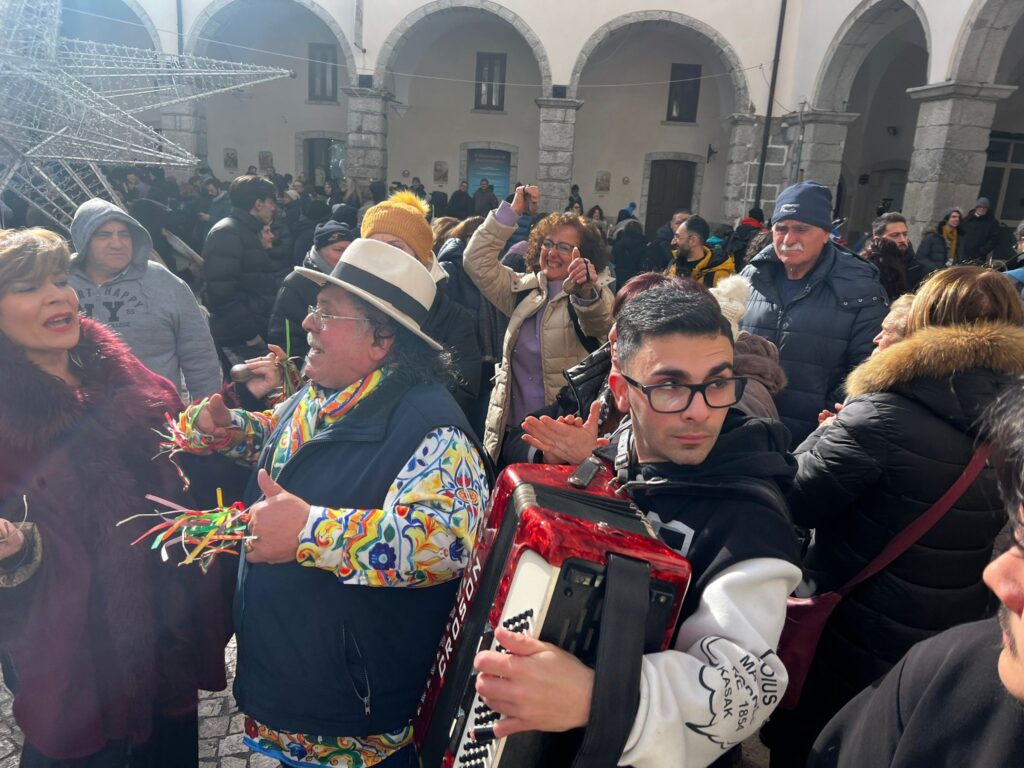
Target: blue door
x: 493, y: 165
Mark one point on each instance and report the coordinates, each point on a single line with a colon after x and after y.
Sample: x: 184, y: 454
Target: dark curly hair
x: 592, y: 245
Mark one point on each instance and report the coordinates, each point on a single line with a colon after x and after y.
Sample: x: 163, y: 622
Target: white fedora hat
x: 386, y: 277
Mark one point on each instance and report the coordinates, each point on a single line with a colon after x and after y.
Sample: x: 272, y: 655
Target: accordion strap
x: 620, y: 649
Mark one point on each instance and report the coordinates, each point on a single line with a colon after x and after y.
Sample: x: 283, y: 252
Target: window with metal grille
x: 683, y: 93
x: 323, y: 72
x: 490, y: 81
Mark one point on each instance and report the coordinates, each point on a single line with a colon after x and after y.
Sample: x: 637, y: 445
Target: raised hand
x: 275, y: 523
x: 583, y: 275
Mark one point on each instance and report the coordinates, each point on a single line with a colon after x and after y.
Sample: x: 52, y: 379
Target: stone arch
x: 983, y: 40
x: 728, y: 53
x: 144, y: 21
x: 861, y: 31
x: 391, y: 46
x: 700, y: 161
x: 209, y: 13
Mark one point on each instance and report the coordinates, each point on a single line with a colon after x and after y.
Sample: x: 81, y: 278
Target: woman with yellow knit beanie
x: 401, y: 221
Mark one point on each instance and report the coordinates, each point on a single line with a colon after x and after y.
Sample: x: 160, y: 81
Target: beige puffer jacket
x: 560, y: 346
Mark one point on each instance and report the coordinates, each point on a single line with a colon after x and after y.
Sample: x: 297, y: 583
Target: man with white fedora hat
x: 364, y: 508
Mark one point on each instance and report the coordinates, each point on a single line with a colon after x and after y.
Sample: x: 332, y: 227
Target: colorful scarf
x: 319, y: 408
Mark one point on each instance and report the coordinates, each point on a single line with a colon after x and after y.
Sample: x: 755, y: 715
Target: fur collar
x: 36, y: 408
x: 939, y: 353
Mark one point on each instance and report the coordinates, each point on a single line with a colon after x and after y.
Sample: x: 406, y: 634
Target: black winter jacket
x: 933, y: 252
x: 628, y: 255
x: 822, y: 334
x: 981, y: 236
x: 241, y: 279
x: 587, y: 381
x: 454, y: 326
x: 903, y: 438
x: 296, y: 295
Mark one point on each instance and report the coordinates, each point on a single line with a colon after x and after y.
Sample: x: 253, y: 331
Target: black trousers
x: 174, y: 744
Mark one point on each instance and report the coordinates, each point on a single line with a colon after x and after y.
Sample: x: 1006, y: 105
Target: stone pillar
x: 366, y: 154
x: 741, y: 165
x: 953, y: 125
x: 185, y: 125
x: 821, y: 143
x: 555, y: 151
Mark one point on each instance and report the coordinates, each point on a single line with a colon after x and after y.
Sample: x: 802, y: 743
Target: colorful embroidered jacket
x: 419, y: 536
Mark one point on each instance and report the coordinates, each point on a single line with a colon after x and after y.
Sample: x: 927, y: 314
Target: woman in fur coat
x: 903, y: 438
x: 103, y: 645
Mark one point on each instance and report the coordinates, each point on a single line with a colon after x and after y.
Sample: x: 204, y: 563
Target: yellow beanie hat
x: 403, y: 215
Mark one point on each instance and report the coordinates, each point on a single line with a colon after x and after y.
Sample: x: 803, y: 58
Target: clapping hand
x: 11, y: 539
x: 567, y: 439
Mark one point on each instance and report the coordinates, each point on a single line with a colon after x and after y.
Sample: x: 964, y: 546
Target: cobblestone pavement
x: 220, y: 733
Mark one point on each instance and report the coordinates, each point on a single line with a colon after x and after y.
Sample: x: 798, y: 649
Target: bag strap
x: 906, y: 538
x: 590, y: 343
x: 620, y: 649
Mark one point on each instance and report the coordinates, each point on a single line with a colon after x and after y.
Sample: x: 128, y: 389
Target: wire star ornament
x: 67, y: 107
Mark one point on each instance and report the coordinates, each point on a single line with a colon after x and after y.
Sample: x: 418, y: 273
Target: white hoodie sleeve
x: 723, y: 678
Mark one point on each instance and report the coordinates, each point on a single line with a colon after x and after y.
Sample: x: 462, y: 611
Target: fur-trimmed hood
x: 955, y: 372
x: 938, y: 353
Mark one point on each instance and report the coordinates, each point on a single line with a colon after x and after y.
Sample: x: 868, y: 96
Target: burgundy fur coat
x: 103, y: 635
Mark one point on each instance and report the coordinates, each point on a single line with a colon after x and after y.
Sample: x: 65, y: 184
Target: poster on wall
x: 603, y: 183
x: 440, y: 172
x: 491, y: 164
x: 230, y: 159
x: 266, y: 160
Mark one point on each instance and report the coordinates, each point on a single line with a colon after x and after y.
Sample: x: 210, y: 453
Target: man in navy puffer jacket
x: 820, y: 305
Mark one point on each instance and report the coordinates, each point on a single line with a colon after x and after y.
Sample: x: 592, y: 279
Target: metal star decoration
x: 67, y: 106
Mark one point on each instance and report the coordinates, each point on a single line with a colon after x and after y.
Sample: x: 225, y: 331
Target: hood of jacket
x: 94, y: 214
x: 750, y: 448
x: 313, y: 260
x: 954, y: 371
x: 758, y: 358
x: 452, y: 250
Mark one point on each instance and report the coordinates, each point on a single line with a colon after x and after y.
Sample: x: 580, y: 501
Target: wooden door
x: 671, y: 188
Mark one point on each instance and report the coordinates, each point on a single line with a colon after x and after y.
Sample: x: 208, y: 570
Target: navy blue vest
x: 323, y: 658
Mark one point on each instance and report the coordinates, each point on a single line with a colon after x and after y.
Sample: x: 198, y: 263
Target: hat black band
x: 382, y: 289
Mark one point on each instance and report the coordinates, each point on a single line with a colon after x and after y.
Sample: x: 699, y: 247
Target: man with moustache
x: 821, y: 306
x: 955, y: 699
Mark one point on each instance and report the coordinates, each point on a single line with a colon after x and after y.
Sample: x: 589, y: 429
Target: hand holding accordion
x: 583, y: 578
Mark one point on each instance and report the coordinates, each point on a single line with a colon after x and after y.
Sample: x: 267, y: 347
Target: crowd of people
x: 780, y: 409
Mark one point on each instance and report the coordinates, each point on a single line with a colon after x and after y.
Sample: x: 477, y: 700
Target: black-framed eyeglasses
x: 565, y: 248
x: 675, y: 398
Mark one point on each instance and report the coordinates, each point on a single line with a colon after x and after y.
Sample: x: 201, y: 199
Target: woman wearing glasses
x: 559, y: 311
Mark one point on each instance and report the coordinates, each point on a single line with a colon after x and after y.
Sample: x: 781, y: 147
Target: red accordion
x: 543, y: 560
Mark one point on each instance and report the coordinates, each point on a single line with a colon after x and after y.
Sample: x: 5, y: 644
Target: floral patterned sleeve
x: 423, y: 534
x: 256, y: 426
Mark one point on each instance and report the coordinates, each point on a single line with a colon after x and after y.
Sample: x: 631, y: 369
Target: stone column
x: 555, y: 151
x: 185, y: 125
x: 741, y: 165
x: 366, y: 154
x: 953, y: 125
x: 821, y: 146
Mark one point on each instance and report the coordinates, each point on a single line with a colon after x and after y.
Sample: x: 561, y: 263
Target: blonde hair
x: 31, y: 255
x: 963, y: 296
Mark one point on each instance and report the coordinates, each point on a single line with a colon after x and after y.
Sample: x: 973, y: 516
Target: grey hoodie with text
x: 152, y: 309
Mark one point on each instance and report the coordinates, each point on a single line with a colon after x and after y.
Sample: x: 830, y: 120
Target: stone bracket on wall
x: 555, y: 150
